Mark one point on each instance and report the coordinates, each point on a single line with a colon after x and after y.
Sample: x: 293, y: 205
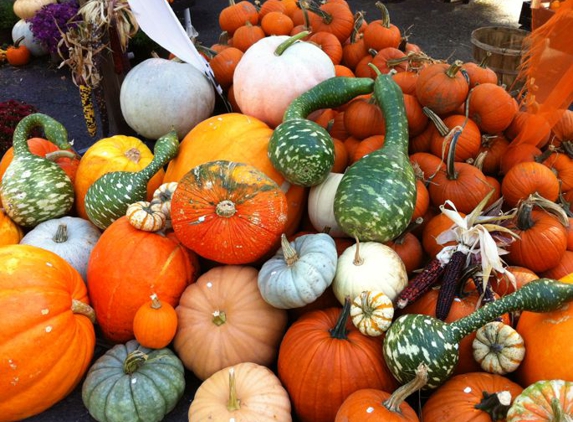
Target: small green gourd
x: 376, y: 197
x: 109, y: 196
x: 302, y: 150
x: 413, y: 339
x: 34, y: 189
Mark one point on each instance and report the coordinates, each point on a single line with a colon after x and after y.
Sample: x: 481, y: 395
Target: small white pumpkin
x: 369, y: 266
x: 72, y: 238
x: 498, y: 348
x: 22, y: 29
x: 321, y: 206
x: 159, y: 95
x: 299, y: 272
x: 372, y: 312
x: 267, y: 79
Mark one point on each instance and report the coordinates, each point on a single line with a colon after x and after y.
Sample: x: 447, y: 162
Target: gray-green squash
x: 131, y: 383
x: 109, y: 196
x: 376, y: 197
x: 34, y: 189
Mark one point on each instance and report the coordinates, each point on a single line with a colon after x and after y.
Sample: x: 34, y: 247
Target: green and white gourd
x: 109, y: 196
x: 34, y: 189
x: 131, y: 383
x: 413, y: 339
x: 377, y: 194
x: 302, y: 150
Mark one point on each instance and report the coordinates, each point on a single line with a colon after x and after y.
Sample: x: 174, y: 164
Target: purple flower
x: 45, y: 23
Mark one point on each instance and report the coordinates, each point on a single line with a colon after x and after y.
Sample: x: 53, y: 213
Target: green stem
x: 385, y: 14
x: 234, y: 403
x: 290, y: 41
x: 56, y: 155
x: 339, y: 331
x: 54, y: 131
x: 61, y: 235
x: 134, y: 361
x: 165, y: 150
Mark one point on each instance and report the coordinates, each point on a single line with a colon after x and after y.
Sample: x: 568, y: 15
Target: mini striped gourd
x: 110, y: 195
x: 414, y: 338
x: 34, y: 189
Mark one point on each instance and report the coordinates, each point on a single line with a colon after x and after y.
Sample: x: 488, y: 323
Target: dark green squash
x: 34, y: 189
x: 414, y: 339
x: 131, y: 383
x: 376, y: 197
x: 302, y: 150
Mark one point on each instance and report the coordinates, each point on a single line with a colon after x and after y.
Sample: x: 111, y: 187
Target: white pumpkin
x: 369, y: 266
x: 72, y: 238
x: 22, y: 29
x: 321, y: 206
x: 26, y: 9
x: 265, y: 83
x: 158, y: 95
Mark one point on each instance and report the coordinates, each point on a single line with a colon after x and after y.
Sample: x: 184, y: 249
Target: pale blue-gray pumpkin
x: 131, y: 383
x: 34, y: 189
x: 109, y: 196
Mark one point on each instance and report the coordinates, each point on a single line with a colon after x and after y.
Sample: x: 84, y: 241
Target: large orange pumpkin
x: 240, y: 138
x: 126, y: 266
x: 47, y: 339
x: 548, y: 341
x: 117, y: 153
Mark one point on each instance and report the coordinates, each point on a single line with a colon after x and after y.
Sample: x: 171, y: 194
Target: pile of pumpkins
x: 209, y: 254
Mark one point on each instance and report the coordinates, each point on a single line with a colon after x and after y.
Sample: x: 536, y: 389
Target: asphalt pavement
x: 442, y: 29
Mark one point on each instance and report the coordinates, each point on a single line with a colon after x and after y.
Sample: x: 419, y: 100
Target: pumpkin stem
x: 483, y: 63
x: 56, y: 155
x: 495, y: 405
x: 133, y: 154
x: 451, y: 172
x: 219, y: 318
x: 339, y: 331
x: 437, y: 121
x: 226, y: 208
x: 385, y: 19
x: 134, y: 361
x: 61, y: 235
x: 290, y: 41
x: 558, y: 414
x: 358, y: 22
x: 234, y: 403
x: 155, y: 303
x: 454, y: 68
x: 325, y: 16
x: 289, y: 252
x: 394, y: 402
x: 79, y: 307
x: 358, y: 260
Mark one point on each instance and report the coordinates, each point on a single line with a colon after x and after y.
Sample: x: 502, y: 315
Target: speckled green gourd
x: 302, y: 150
x: 109, y: 196
x: 376, y: 196
x: 413, y: 339
x: 34, y: 189
x: 131, y: 383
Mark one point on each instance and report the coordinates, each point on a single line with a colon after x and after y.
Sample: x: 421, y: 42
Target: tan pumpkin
x: 372, y: 312
x: 244, y: 392
x: 223, y: 321
x: 26, y: 9
x: 498, y: 348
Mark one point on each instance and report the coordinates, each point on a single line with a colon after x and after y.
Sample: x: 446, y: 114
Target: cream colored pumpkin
x: 146, y: 216
x: 22, y: 29
x: 369, y: 266
x: 158, y: 95
x: 72, y: 238
x: 223, y: 321
x: 321, y: 206
x: 372, y: 312
x: 498, y: 348
x: 245, y: 392
x: 26, y: 9
x: 265, y: 83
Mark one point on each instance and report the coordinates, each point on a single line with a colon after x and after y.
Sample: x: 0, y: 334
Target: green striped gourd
x: 376, y: 196
x: 34, y: 189
x: 302, y: 150
x: 109, y: 196
x: 413, y: 339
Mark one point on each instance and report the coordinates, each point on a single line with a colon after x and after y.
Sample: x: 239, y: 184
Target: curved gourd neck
x: 54, y: 132
x: 165, y: 150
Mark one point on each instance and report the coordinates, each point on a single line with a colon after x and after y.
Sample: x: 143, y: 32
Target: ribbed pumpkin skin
x: 535, y: 402
x: 252, y: 329
x: 126, y: 266
x: 367, y: 405
x: 228, y: 212
x: 117, y: 153
x: 45, y: 349
x: 235, y: 137
x: 455, y: 400
x: 319, y: 371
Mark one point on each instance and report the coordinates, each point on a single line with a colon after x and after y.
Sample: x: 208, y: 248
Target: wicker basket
x: 506, y: 47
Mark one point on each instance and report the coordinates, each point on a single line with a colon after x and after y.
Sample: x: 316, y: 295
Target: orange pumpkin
x: 126, y: 266
x: 223, y: 321
x: 236, y: 14
x: 442, y: 87
x: 209, y: 141
x: 228, y: 212
x: 527, y: 178
x: 117, y: 153
x: 155, y: 323
x: 491, y: 107
x: 47, y: 339
x: 10, y: 232
x: 457, y: 398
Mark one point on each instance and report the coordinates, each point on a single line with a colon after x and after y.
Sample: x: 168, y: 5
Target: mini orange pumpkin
x: 155, y: 323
